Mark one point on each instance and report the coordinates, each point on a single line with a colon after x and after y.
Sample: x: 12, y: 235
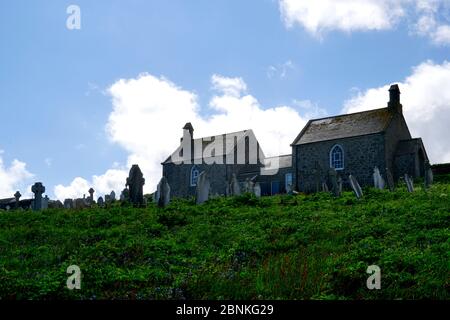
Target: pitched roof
x: 229, y: 144
x: 345, y: 126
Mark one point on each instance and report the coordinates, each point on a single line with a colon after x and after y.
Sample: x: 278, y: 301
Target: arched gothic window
x: 194, y: 176
x: 337, y: 157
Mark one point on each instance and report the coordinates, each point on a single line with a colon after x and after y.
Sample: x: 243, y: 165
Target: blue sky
x: 54, y: 82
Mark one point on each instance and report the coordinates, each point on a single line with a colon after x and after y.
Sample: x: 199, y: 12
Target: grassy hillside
x: 282, y: 247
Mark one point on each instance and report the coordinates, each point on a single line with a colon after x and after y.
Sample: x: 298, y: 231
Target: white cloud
x: 426, y: 106
x: 425, y: 17
x: 149, y: 113
x: 14, y: 178
x: 113, y: 179
x: 281, y: 70
x: 345, y: 15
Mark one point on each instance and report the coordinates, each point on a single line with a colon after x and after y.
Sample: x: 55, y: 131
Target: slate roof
x: 229, y: 144
x: 345, y: 126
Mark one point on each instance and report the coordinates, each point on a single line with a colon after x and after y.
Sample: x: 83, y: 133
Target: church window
x: 337, y: 157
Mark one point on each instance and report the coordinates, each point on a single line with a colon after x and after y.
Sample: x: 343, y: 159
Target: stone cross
x: 390, y: 180
x: 378, y: 180
x: 91, y: 196
x: 409, y: 183
x: 38, y: 189
x: 135, y: 182
x: 162, y: 196
x: 203, y: 188
x: 17, y: 195
x: 355, y: 186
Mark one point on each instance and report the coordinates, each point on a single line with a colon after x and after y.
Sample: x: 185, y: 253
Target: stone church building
x: 351, y: 144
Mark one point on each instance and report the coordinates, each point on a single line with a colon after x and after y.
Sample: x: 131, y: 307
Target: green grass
x: 281, y: 247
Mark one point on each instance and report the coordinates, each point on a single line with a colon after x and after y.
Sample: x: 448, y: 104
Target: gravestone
x: 17, y: 196
x: 332, y: 174
x: 112, y: 196
x: 340, y: 182
x: 55, y: 205
x: 409, y: 183
x: 324, y: 187
x: 45, y: 202
x: 68, y: 204
x: 289, y: 189
x: 428, y: 178
x: 135, y: 183
x: 257, y: 190
x: 203, y: 187
x: 125, y: 195
x: 38, y: 189
x: 390, y: 180
x: 355, y: 186
x: 163, y: 193
x: 91, y: 196
x: 100, y: 202
x: 378, y: 180
x: 80, y: 203
x: 234, y: 186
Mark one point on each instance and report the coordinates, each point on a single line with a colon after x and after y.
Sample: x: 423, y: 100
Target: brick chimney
x: 394, y: 99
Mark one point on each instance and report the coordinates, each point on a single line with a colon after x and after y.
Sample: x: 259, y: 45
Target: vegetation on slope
x: 281, y: 247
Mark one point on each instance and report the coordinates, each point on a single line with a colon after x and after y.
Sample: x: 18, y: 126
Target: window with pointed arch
x: 194, y: 176
x: 337, y: 157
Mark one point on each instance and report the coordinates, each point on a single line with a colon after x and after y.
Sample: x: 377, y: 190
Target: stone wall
x: 395, y: 132
x: 361, y: 155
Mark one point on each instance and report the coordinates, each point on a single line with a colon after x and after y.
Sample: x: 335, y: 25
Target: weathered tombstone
x: 91, y: 196
x: 378, y: 180
x: 112, y: 196
x: 55, y: 204
x: 45, y: 202
x: 390, y: 180
x: 163, y: 193
x: 17, y: 196
x: 428, y: 174
x: 340, y: 182
x: 68, y: 203
x: 8, y: 208
x: 203, y: 187
x: 107, y: 199
x: 409, y: 183
x: 38, y: 189
x: 135, y: 182
x: 257, y: 190
x: 332, y: 174
x: 324, y: 187
x: 289, y: 189
x: 100, y: 202
x: 355, y: 186
x: 80, y: 203
x: 125, y: 195
x: 234, y: 186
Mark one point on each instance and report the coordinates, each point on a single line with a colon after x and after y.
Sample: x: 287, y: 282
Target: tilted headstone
x: 409, y: 183
x: 428, y: 178
x: 390, y: 180
x: 68, y: 204
x: 378, y: 180
x: 257, y: 190
x: 163, y: 193
x: 38, y: 189
x: 203, y: 188
x: 355, y: 186
x: 332, y: 175
x: 234, y: 186
x: 17, y: 196
x: 100, y: 202
x: 135, y: 183
x: 324, y: 187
